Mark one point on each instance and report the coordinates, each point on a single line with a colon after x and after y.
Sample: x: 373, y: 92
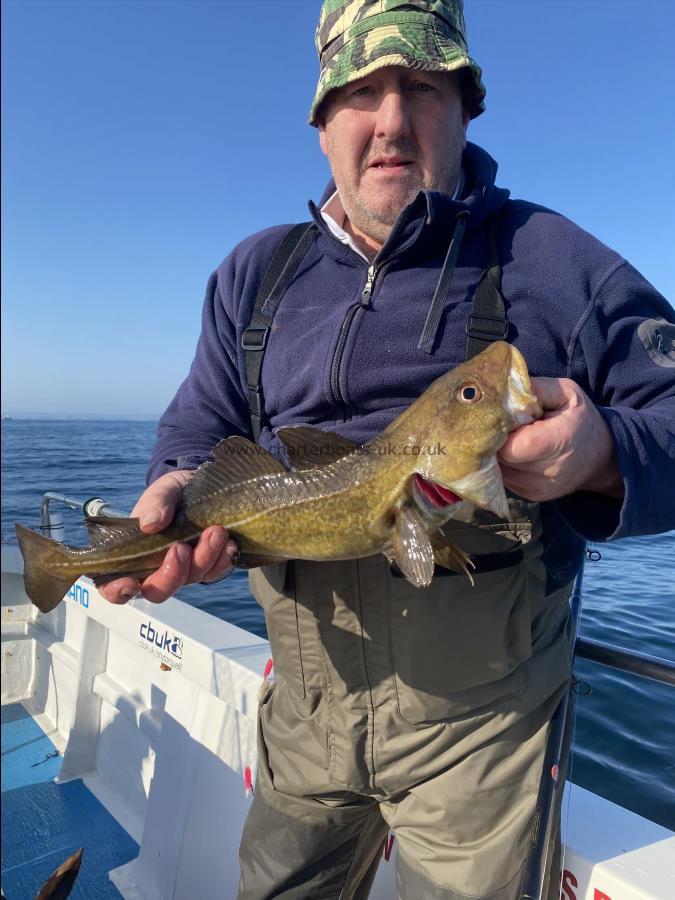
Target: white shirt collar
x: 333, y: 214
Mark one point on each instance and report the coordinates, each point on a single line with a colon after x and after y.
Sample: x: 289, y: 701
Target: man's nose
x: 392, y: 119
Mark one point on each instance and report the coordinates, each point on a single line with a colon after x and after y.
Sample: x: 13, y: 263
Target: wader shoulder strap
x: 283, y: 266
x: 487, y: 322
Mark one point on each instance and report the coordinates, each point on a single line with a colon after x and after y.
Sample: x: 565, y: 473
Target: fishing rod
x: 555, y: 765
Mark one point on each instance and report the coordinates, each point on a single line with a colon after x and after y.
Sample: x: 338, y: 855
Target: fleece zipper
x: 362, y: 304
x: 345, y: 328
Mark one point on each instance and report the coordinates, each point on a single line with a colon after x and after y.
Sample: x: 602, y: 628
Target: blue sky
x: 142, y: 139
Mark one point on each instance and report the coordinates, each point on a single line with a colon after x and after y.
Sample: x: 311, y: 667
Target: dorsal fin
x: 235, y: 460
x: 105, y: 528
x: 311, y: 448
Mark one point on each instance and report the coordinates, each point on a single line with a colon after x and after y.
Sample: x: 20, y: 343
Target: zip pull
x: 368, y: 289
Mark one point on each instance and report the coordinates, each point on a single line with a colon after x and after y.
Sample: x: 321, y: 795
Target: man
x: 427, y: 710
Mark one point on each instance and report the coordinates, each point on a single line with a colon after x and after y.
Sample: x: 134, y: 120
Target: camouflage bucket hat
x: 356, y: 37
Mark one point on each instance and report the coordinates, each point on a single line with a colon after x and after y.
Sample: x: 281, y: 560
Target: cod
x: 338, y: 500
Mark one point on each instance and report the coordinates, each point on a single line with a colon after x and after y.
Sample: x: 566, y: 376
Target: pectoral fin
x: 411, y: 547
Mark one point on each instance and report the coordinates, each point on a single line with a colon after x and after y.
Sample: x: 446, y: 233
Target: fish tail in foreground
x: 45, y: 590
x: 60, y: 883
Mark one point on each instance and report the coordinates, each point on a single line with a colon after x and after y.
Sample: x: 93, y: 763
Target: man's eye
x: 362, y: 91
x: 422, y: 87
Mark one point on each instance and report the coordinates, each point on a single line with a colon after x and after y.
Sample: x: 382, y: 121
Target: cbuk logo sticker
x: 79, y: 594
x: 164, y: 640
x: 164, y: 644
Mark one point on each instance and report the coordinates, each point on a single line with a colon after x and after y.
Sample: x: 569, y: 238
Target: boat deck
x: 43, y: 823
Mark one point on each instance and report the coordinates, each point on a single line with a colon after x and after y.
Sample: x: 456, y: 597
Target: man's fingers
x: 212, y: 555
x: 156, y: 505
x: 553, y: 393
x: 531, y: 443
x: 548, y: 438
x: 172, y: 575
x: 223, y: 564
x: 530, y: 486
x: 537, y: 440
x: 121, y: 590
x: 210, y: 560
x: 156, y: 518
x: 155, y: 509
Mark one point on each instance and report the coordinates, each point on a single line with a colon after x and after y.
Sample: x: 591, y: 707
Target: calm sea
x: 625, y: 739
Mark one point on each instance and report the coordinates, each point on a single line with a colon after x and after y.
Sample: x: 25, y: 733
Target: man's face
x: 388, y: 136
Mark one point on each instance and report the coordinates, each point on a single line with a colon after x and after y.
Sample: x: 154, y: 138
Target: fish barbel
x: 339, y: 501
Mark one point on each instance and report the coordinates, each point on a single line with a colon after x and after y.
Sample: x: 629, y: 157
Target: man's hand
x: 210, y: 558
x: 569, y: 449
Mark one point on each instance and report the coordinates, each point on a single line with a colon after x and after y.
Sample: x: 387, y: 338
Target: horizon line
x: 121, y: 416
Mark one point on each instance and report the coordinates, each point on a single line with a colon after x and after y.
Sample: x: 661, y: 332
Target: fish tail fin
x: 45, y: 590
x: 60, y: 883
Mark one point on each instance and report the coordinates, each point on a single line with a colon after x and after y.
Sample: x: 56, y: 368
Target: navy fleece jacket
x: 573, y: 306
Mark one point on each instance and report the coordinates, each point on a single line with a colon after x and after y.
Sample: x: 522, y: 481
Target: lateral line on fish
x: 67, y: 565
x: 263, y: 490
x: 233, y: 524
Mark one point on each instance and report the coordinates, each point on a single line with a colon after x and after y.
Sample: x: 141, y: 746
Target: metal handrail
x: 52, y: 523
x: 653, y: 667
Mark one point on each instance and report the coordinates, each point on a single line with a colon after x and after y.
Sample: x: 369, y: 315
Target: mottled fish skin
x: 361, y: 504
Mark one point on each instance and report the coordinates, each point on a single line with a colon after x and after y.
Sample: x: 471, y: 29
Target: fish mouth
x: 433, y: 494
x: 519, y: 400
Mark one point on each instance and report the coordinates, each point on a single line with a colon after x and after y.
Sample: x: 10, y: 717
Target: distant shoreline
x: 76, y: 417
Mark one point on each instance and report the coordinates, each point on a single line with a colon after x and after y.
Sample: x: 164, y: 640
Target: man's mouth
x: 434, y: 493
x: 391, y: 162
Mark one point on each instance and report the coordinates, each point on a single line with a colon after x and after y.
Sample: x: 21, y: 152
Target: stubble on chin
x: 376, y: 220
x: 376, y: 215
x: 375, y: 224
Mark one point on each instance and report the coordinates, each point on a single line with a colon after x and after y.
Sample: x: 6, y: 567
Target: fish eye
x: 468, y: 393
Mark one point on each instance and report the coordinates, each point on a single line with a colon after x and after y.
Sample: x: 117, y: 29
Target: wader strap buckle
x: 254, y: 339
x: 489, y: 328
